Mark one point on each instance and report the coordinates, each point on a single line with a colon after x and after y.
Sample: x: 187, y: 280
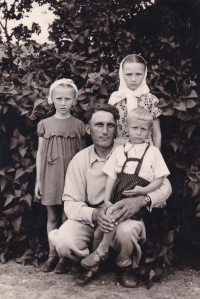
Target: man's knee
x: 63, y: 241
x: 128, y: 229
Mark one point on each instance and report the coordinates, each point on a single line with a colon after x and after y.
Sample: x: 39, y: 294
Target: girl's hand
x: 136, y: 191
x: 38, y: 192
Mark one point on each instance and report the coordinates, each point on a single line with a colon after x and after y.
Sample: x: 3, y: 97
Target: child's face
x: 63, y: 98
x: 138, y: 129
x: 133, y: 74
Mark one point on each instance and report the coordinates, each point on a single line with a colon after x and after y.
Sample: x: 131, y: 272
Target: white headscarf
x: 125, y: 92
x: 58, y: 83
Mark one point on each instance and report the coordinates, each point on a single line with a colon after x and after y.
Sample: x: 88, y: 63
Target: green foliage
x: 90, y: 39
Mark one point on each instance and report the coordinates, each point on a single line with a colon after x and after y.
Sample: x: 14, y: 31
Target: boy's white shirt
x: 153, y: 165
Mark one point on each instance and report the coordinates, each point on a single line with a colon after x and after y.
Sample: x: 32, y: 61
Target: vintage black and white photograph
x: 99, y: 149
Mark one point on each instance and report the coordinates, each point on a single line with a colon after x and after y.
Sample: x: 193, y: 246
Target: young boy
x: 133, y: 169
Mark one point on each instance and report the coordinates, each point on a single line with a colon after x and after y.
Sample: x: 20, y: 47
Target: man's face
x: 102, y: 128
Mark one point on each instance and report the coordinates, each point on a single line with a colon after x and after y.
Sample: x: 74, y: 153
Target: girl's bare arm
x: 157, y: 136
x: 38, y: 168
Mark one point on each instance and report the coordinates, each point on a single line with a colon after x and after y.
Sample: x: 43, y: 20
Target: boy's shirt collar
x: 137, y: 147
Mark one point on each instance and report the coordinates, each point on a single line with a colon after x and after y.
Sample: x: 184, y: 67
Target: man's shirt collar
x: 94, y: 157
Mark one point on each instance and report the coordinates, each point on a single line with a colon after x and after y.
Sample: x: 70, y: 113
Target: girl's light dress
x: 62, y: 139
x: 146, y: 101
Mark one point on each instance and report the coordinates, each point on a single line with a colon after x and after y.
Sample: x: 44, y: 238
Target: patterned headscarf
x: 58, y: 83
x: 125, y: 92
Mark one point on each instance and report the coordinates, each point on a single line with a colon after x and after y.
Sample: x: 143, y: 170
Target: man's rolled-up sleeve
x: 159, y: 197
x: 75, y: 195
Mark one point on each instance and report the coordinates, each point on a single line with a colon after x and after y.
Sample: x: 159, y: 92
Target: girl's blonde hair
x: 134, y: 58
x: 140, y: 114
x: 62, y: 82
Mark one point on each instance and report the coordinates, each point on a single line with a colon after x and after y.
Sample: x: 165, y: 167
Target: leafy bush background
x: 90, y: 38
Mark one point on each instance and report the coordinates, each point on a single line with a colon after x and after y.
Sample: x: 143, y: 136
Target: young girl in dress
x: 133, y: 92
x: 60, y: 138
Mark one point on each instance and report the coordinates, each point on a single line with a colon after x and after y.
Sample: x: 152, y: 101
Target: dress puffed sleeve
x: 40, y: 129
x: 155, y: 111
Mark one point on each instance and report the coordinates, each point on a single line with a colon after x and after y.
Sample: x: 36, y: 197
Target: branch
x: 4, y: 28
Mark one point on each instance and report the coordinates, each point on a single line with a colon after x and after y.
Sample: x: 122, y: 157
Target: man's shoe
x: 126, y: 279
x: 85, y: 277
x: 76, y: 267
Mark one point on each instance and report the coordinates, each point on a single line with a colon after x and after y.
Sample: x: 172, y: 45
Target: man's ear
x: 87, y: 127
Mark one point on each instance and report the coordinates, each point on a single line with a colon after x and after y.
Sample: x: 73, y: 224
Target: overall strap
x: 141, y: 160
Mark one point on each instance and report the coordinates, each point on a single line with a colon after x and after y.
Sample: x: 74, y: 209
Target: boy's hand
x: 38, y: 192
x: 107, y: 204
x: 136, y: 191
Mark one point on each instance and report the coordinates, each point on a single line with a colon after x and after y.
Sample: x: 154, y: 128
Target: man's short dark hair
x: 101, y: 107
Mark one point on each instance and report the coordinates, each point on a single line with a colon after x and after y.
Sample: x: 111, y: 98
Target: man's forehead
x: 103, y: 116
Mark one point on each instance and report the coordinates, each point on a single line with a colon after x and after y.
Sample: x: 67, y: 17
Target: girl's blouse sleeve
x: 82, y: 128
x: 156, y: 111
x: 40, y: 129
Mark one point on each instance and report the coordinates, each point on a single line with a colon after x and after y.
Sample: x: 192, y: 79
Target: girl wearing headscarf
x: 133, y: 92
x: 60, y: 138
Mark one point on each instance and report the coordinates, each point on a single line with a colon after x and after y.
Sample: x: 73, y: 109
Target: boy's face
x: 138, y: 129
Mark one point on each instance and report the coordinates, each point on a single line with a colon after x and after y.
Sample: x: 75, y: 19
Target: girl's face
x: 63, y: 98
x: 133, y: 74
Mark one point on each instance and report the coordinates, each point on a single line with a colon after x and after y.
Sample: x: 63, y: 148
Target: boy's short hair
x: 101, y: 107
x: 141, y: 114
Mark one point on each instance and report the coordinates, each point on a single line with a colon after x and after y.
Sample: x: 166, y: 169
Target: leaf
x: 3, y: 183
x: 22, y: 150
x: 18, y: 193
x: 167, y: 111
x: 81, y: 39
x: 19, y: 173
x: 38, y: 102
x: 16, y: 222
x: 169, y: 237
x: 151, y: 274
x: 13, y: 142
x: 191, y: 130
x: 181, y: 165
x: 163, y: 103
x: 163, y: 251
x: 175, y: 145
x: 27, y: 198
x: 3, y: 224
x: 3, y: 127
x: 196, y: 189
x: 9, y: 199
x: 2, y: 171
x: 193, y: 94
x: 11, y: 102
x: 180, y: 106
x: 167, y: 259
x: 103, y: 91
x: 35, y: 263
x: 190, y: 104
